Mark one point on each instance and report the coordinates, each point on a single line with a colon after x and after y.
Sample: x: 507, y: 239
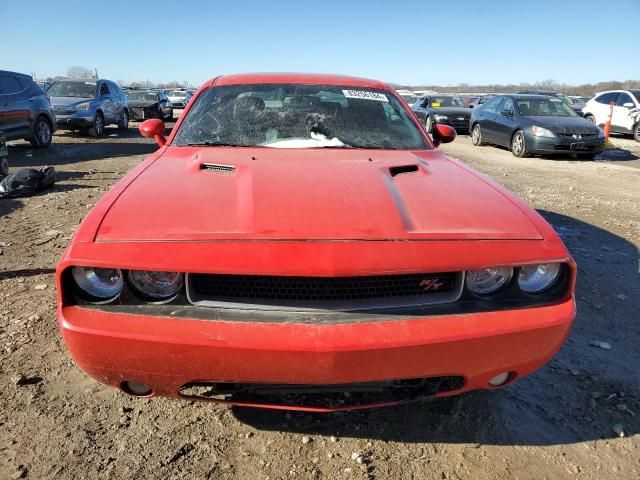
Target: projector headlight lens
x: 538, y: 278
x: 489, y: 280
x: 156, y: 286
x: 98, y: 284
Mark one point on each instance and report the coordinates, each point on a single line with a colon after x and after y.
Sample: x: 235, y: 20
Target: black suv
x: 25, y: 111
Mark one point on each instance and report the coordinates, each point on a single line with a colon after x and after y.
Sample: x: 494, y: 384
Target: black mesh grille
x: 321, y: 288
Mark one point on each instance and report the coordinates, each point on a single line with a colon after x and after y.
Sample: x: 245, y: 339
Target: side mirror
x: 628, y: 105
x: 443, y: 134
x: 153, y: 128
x: 506, y: 113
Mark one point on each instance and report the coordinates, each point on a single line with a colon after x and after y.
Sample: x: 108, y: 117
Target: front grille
x: 581, y: 135
x: 324, y: 292
x: 459, y: 124
x: 323, y: 396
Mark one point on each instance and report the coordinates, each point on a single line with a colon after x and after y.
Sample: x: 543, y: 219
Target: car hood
x: 66, y: 101
x: 188, y: 194
x: 565, y: 124
x: 453, y: 111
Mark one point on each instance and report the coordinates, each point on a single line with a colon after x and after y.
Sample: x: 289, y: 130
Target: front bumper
x: 460, y: 124
x: 559, y: 145
x: 83, y: 119
x: 166, y: 353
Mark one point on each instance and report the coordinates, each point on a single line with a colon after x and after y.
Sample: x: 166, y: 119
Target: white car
x: 626, y: 111
x: 179, y: 98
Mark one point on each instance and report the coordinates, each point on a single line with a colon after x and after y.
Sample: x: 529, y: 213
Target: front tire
x: 428, y: 125
x: 98, y: 126
x: 123, y: 123
x: 519, y: 145
x: 476, y: 135
x: 636, y: 132
x: 42, y: 133
x: 591, y: 118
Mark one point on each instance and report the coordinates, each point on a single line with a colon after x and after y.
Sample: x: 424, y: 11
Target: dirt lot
x: 565, y: 421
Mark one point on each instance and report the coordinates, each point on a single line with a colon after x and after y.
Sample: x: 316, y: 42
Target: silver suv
x: 89, y: 105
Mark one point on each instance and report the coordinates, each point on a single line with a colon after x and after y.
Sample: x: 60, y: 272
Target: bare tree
x: 79, y: 72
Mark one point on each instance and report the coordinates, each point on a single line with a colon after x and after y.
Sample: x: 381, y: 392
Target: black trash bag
x: 27, y: 181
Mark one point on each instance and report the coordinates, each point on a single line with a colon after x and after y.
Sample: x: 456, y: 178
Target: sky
x: 414, y: 42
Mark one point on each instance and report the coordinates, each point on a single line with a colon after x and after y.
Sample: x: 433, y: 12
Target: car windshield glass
x: 177, y: 94
x: 409, y: 98
x: 144, y: 96
x: 446, y: 102
x: 73, y: 89
x: 544, y: 107
x: 299, y: 116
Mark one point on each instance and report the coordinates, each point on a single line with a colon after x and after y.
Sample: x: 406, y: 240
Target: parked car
x: 574, y: 105
x: 481, y: 100
x: 626, y: 111
x: 25, y: 111
x: 535, y: 124
x: 89, y: 105
x: 443, y: 110
x: 179, y: 98
x: 145, y: 104
x: 312, y: 243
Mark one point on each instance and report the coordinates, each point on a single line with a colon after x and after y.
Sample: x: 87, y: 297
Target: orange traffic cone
x: 607, y: 124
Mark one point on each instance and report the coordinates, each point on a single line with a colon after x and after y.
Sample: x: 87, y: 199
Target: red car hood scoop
x: 195, y: 194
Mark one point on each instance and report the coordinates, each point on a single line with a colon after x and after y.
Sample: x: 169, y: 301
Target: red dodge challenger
x: 297, y: 242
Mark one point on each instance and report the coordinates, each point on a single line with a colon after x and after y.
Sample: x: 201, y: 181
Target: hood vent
x: 217, y: 167
x: 397, y: 170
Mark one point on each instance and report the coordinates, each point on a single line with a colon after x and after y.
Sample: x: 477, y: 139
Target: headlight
x: 82, y: 106
x: 541, y: 132
x: 98, y: 284
x: 156, y: 286
x: 441, y: 117
x: 537, y: 278
x: 484, y: 282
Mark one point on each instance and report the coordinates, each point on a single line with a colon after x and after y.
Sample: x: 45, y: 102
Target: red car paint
x: 309, y: 212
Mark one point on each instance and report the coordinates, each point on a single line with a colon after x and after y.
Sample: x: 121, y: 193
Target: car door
x: 118, y: 100
x: 487, y: 119
x: 602, y: 106
x: 505, y: 122
x: 621, y: 121
x: 14, y: 107
x: 107, y: 103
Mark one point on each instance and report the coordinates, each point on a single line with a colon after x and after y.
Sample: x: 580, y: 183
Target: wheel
x: 98, y: 126
x: 476, y: 135
x: 4, y: 166
x: 591, y: 118
x: 123, y: 123
x: 42, y: 133
x: 518, y: 145
x: 428, y: 125
x: 636, y: 132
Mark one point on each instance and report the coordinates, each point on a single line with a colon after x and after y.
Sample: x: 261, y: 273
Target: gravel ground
x: 578, y: 417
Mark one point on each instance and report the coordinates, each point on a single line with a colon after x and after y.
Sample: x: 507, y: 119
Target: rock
x: 621, y: 407
x: 329, y: 455
x: 347, y: 471
x: 248, y: 435
x: 40, y: 286
x: 621, y: 296
x: 603, y: 345
x: 574, y: 372
x: 617, y: 428
x: 20, y: 472
x: 35, y: 317
x: 306, y: 439
x: 334, y: 439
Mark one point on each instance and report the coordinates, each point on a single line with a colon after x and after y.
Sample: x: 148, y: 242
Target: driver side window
x: 507, y: 106
x: 104, y: 90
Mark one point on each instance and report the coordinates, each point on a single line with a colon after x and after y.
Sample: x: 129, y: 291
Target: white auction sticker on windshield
x: 365, y: 95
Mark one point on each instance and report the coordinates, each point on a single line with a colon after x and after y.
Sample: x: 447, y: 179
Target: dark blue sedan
x: 534, y: 124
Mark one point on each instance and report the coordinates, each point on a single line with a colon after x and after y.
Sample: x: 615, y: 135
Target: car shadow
x: 579, y: 396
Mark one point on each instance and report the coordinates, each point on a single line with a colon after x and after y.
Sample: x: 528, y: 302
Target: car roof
x: 7, y: 72
x: 301, y: 78
x: 523, y: 96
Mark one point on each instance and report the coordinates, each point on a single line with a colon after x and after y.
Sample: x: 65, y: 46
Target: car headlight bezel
x: 538, y: 131
x: 97, y: 285
x: 548, y: 275
x: 488, y: 281
x: 141, y: 284
x: 82, y: 106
